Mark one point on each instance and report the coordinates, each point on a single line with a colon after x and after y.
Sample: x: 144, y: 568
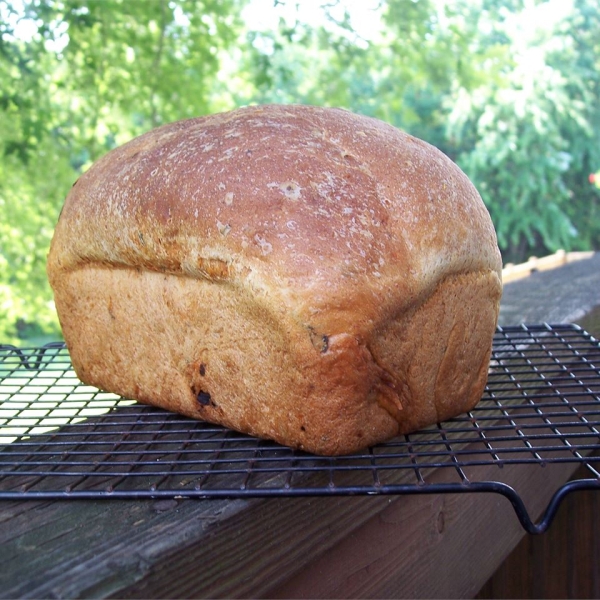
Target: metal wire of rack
x: 60, y: 439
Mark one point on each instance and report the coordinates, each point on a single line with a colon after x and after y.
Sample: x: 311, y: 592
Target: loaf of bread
x: 302, y: 274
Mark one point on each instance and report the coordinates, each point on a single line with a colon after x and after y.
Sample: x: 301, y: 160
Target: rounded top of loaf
x: 319, y: 204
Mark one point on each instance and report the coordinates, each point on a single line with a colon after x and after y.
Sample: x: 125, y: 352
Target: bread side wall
x: 439, y: 353
x: 211, y: 351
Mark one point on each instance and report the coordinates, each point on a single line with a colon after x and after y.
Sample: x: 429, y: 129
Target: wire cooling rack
x: 60, y: 439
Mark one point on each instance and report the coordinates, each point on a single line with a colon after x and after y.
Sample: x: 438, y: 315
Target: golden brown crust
x: 272, y: 269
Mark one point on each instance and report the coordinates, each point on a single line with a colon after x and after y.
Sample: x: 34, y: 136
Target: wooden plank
x: 67, y: 549
x: 513, y: 272
x: 562, y: 295
x: 563, y: 563
x: 446, y: 546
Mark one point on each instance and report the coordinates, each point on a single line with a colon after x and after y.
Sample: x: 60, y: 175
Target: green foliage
x: 578, y: 59
x: 526, y: 139
x: 28, y: 205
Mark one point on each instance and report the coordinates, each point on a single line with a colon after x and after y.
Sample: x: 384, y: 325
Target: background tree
x: 578, y: 59
x: 519, y: 139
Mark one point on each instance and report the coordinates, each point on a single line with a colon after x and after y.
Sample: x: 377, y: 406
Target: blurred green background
x: 509, y: 89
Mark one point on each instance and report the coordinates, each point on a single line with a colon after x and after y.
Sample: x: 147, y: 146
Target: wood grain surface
x: 562, y: 563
